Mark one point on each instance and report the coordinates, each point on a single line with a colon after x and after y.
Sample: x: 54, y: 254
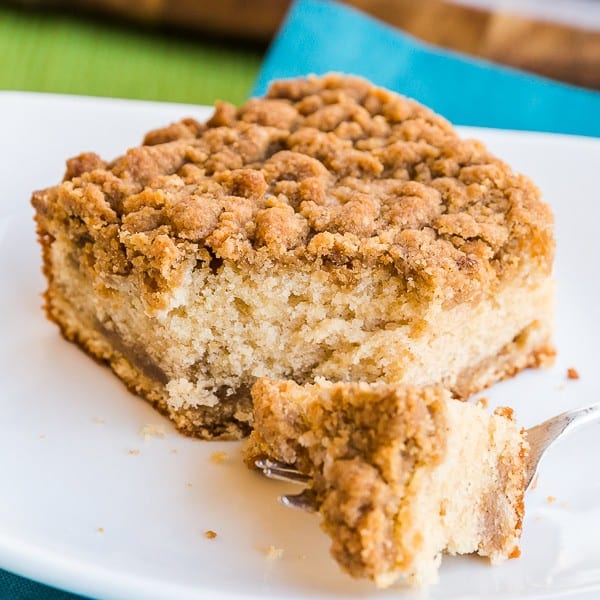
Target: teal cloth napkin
x: 13, y: 587
x: 320, y: 36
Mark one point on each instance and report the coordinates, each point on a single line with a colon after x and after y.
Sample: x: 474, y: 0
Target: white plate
x: 63, y: 475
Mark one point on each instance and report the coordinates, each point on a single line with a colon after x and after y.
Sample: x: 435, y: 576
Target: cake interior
x: 225, y: 326
x: 401, y: 474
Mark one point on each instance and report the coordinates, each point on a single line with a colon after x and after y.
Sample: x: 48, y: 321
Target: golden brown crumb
x: 572, y: 373
x: 149, y: 431
x: 483, y: 402
x: 551, y: 499
x: 188, y: 484
x: 219, y: 457
x: 100, y: 529
x: 516, y: 552
x: 134, y: 451
x: 210, y: 534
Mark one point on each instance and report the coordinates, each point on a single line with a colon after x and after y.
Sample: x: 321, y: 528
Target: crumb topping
x: 572, y: 373
x: 328, y: 170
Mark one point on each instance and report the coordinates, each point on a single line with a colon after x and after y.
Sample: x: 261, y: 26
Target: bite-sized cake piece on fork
x: 399, y: 473
x: 332, y: 229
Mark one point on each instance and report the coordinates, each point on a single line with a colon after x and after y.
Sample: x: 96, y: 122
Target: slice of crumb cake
x: 400, y: 473
x: 332, y: 229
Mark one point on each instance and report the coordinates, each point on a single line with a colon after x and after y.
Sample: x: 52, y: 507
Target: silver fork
x: 540, y: 438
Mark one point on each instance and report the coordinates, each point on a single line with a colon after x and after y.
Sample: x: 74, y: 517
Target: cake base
x: 231, y: 419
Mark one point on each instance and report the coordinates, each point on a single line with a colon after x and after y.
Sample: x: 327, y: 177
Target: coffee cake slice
x: 400, y: 474
x: 332, y: 229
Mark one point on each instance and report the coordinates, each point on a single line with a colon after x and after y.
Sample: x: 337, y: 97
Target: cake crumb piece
x: 272, y: 552
x: 483, y: 402
x: 188, y: 484
x: 551, y: 499
x: 219, y: 457
x: 148, y: 431
x: 99, y: 420
x: 134, y: 451
x: 100, y: 529
x: 572, y: 373
x: 210, y: 534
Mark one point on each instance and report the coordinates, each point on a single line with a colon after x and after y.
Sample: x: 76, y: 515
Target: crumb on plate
x: 551, y: 499
x: 134, y: 451
x: 572, y: 373
x: 272, y: 552
x: 218, y: 457
x: 148, y: 431
x: 210, y: 534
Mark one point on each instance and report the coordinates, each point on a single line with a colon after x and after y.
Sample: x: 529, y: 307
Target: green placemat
x: 53, y: 52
